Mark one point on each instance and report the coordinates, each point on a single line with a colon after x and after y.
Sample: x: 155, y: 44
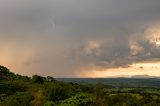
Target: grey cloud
x: 117, y: 52
x: 58, y: 32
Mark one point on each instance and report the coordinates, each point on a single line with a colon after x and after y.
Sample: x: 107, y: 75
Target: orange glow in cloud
x: 152, y: 69
x: 14, y: 56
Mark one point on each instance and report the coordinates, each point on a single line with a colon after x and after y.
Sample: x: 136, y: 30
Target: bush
x: 37, y: 79
x: 49, y: 103
x: 18, y: 99
x: 78, y: 100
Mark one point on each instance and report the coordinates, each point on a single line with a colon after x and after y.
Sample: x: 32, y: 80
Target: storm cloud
x: 59, y: 37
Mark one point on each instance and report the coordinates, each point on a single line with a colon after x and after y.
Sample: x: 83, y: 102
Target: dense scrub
x: 17, y: 90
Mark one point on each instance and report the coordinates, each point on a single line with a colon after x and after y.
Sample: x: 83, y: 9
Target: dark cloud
x: 61, y: 36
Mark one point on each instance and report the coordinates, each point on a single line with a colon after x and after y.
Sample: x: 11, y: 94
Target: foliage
x: 17, y: 90
x: 37, y: 79
x: 18, y: 99
x: 39, y: 98
x: 49, y: 103
x: 78, y: 100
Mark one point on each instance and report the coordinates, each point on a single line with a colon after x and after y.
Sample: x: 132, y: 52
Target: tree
x: 37, y: 79
x: 98, y: 95
x: 39, y: 98
x: 77, y: 100
x: 50, y: 79
x: 18, y: 99
x: 55, y: 92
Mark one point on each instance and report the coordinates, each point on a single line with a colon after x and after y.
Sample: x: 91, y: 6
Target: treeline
x: 118, y: 82
x: 17, y: 90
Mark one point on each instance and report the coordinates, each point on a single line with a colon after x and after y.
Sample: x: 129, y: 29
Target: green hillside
x: 17, y: 90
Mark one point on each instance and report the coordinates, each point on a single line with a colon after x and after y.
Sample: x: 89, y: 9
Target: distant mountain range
x: 134, y: 76
x: 143, y: 76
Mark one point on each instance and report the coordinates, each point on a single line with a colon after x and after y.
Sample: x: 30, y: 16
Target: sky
x: 80, y: 38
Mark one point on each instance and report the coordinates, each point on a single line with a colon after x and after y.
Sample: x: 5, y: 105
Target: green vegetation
x: 17, y: 90
x: 118, y: 82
